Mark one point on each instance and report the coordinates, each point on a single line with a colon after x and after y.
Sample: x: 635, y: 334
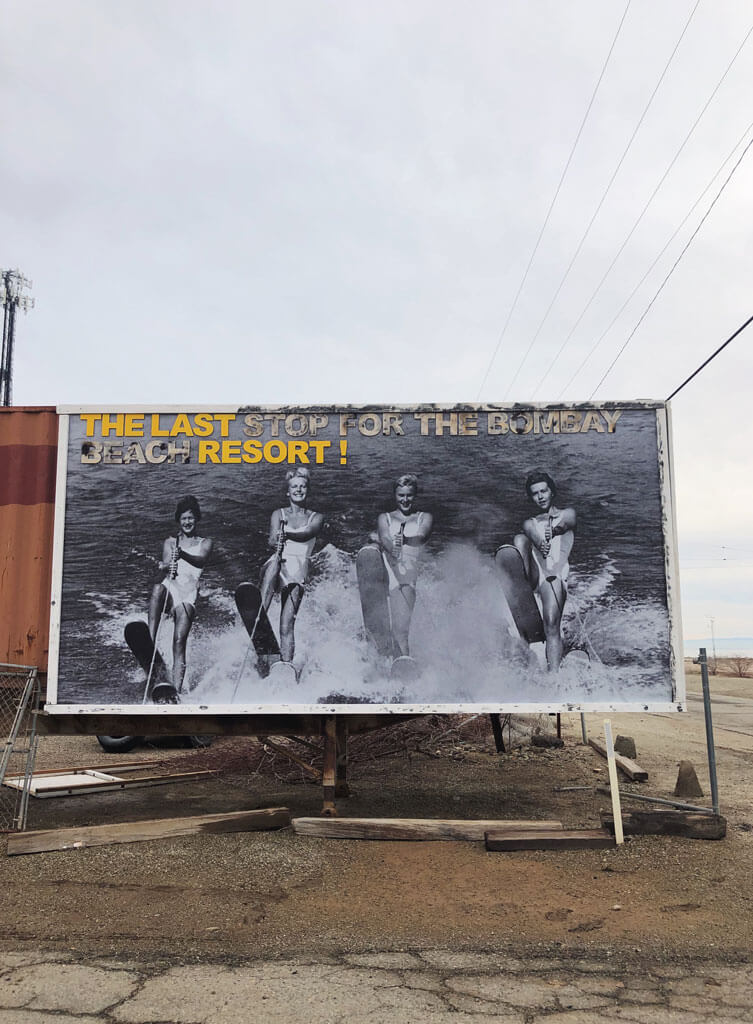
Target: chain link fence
x: 19, y: 702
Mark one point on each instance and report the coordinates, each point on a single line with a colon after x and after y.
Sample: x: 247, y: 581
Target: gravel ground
x: 281, y: 895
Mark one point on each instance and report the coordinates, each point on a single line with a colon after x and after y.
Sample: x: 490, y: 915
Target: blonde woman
x: 292, y: 533
x: 402, y: 534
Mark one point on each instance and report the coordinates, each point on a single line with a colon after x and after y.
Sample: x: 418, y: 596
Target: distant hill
x: 724, y: 645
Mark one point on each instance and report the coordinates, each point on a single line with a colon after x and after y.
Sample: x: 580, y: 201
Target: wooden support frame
x: 329, y: 773
x: 341, y: 757
x: 499, y: 740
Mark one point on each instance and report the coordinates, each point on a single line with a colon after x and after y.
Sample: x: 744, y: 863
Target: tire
x: 118, y: 744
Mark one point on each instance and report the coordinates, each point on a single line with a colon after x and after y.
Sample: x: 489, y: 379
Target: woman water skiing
x: 545, y: 545
x: 292, y: 533
x: 401, y: 535
x: 184, y: 556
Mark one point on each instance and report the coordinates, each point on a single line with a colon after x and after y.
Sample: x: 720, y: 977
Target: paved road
x: 733, y: 714
x: 379, y: 988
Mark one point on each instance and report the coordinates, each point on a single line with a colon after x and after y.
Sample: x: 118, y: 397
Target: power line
x: 554, y: 200
x: 603, y: 198
x: 712, y: 356
x: 671, y: 271
x: 651, y: 198
x: 664, y: 248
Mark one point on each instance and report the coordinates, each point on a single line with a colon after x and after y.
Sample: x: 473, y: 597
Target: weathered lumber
x: 578, y: 839
x: 98, y: 785
x: 412, y: 828
x: 692, y: 825
x: 102, y: 766
x: 45, y: 840
x: 630, y: 768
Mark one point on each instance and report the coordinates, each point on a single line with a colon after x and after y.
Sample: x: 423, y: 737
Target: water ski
x: 138, y: 638
x: 258, y: 627
x: 165, y: 693
x: 373, y: 587
x: 576, y: 659
x: 517, y: 590
x: 404, y: 669
x: 282, y: 673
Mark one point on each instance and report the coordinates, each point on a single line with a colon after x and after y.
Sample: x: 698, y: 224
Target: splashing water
x: 461, y: 636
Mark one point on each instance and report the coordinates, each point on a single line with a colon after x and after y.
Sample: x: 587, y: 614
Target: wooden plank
x: 631, y: 768
x: 579, y: 839
x: 614, y: 785
x: 103, y: 785
x: 169, y: 723
x: 46, y: 840
x: 669, y: 823
x: 101, y: 766
x: 415, y: 829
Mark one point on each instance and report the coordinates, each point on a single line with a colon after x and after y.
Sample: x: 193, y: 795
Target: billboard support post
x: 329, y: 772
x: 702, y: 661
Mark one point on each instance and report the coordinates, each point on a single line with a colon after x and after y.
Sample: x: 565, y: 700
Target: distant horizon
x: 722, y: 644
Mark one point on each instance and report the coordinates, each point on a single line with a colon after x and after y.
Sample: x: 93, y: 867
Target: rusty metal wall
x: 28, y: 452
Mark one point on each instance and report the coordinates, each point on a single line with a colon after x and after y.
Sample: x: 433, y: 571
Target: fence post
x: 701, y: 660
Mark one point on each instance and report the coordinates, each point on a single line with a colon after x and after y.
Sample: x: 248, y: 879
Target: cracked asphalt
x: 214, y: 929
x: 375, y: 988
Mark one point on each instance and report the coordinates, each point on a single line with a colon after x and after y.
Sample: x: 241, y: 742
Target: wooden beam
x: 579, y: 839
x: 156, y: 723
x: 625, y: 764
x: 104, y: 785
x: 341, y: 757
x: 102, y: 766
x: 411, y: 828
x: 669, y: 823
x: 499, y: 740
x: 46, y: 840
x: 329, y: 767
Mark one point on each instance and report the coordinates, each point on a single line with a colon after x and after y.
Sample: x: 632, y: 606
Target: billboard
x: 365, y: 559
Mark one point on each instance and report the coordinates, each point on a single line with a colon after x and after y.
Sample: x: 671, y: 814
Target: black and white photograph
x: 290, y: 560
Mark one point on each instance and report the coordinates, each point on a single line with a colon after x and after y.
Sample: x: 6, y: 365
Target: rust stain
x: 28, y: 442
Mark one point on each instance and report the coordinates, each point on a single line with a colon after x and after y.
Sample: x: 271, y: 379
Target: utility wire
x: 554, y: 200
x: 671, y: 271
x: 641, y: 215
x: 603, y: 198
x: 667, y: 244
x: 712, y: 356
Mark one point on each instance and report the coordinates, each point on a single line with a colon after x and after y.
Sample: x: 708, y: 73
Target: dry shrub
x: 433, y: 736
x: 740, y: 665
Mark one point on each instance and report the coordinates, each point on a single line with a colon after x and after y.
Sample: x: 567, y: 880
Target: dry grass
x: 432, y: 736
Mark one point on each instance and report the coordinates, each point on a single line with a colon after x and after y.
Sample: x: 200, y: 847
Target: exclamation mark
x: 343, y: 452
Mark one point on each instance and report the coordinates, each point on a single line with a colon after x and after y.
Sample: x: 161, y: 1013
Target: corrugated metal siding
x: 28, y: 446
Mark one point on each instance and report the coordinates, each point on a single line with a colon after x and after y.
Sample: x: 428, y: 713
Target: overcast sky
x: 330, y: 202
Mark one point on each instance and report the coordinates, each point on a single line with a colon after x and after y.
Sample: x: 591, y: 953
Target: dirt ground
x: 279, y: 894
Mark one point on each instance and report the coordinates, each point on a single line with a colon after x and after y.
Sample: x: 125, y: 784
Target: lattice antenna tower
x: 12, y: 284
